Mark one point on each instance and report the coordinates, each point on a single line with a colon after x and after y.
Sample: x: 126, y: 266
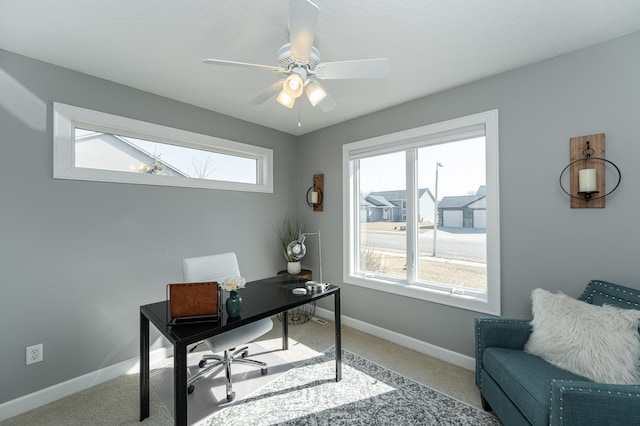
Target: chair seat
x: 239, y: 336
x: 526, y: 379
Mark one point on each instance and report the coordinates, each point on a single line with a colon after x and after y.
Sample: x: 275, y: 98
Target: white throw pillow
x: 597, y: 342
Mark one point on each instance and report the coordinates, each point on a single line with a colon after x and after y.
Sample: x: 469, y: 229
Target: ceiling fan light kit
x: 285, y: 100
x: 300, y: 59
x: 315, y: 92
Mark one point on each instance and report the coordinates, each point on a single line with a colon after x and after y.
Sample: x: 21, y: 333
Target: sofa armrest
x: 589, y: 403
x: 501, y: 333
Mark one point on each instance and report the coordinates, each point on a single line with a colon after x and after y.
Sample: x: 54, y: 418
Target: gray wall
x: 544, y: 243
x: 77, y: 258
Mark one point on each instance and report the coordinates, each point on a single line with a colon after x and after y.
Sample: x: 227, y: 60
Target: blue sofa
x: 522, y: 389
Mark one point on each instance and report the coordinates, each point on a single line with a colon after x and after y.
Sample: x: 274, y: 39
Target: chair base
x: 238, y: 356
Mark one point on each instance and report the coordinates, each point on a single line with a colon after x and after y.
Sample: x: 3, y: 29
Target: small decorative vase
x: 293, y: 268
x: 234, y: 304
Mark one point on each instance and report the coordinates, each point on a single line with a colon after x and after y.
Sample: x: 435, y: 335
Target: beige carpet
x: 115, y: 402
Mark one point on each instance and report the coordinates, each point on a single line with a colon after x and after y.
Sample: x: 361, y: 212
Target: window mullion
x: 412, y: 213
x: 354, y: 203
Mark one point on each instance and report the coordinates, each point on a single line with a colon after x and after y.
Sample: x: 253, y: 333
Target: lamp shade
x: 293, y: 85
x: 296, y: 249
x: 285, y: 100
x: 315, y: 92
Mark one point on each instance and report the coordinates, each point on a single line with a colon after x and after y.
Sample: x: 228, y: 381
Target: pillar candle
x: 587, y: 180
x: 314, y: 197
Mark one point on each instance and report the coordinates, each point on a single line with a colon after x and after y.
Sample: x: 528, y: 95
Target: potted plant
x: 290, y: 231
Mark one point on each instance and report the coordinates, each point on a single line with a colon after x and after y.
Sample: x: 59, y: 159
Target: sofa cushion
x: 526, y: 379
x: 599, y: 342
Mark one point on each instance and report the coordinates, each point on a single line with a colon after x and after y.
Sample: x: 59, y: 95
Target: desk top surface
x: 261, y: 299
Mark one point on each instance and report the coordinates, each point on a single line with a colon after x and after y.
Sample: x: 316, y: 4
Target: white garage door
x: 479, y: 218
x: 452, y: 218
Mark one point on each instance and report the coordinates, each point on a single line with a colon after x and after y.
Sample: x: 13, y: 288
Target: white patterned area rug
x: 368, y: 394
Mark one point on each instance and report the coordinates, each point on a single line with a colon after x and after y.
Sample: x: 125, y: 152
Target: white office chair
x: 218, y: 267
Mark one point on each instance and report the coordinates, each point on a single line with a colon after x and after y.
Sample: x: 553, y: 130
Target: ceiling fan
x: 300, y: 61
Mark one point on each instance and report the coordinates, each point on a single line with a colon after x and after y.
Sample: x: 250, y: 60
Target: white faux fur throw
x: 597, y: 342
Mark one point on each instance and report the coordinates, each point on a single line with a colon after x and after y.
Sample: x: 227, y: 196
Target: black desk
x: 261, y: 299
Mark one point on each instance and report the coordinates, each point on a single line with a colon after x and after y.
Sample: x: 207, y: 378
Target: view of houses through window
x: 450, y: 214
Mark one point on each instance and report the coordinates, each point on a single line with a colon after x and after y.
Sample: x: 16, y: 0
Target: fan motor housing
x: 287, y: 61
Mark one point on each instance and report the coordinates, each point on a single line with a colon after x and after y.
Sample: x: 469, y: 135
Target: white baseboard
x: 52, y: 393
x: 443, y: 354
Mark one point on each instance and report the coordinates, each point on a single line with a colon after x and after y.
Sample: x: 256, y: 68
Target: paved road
x: 470, y: 246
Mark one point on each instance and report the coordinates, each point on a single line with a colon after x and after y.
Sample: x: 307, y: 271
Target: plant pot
x: 294, y: 268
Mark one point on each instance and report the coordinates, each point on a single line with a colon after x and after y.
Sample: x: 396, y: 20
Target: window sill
x: 443, y: 297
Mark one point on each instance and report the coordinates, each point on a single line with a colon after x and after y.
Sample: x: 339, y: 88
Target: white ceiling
x: 433, y: 45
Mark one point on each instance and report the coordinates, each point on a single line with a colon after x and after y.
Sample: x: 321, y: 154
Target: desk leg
x: 144, y: 367
x: 336, y: 297
x: 285, y: 330
x: 180, y: 384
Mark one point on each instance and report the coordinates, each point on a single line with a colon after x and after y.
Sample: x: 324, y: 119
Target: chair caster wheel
x: 245, y: 354
x: 190, y: 389
x: 202, y: 363
x: 231, y: 396
x: 263, y: 371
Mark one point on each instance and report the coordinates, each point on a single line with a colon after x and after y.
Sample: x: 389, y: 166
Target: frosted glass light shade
x: 285, y: 100
x: 315, y: 92
x: 293, y: 85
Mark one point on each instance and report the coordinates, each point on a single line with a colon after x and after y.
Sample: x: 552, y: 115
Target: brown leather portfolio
x: 194, y: 301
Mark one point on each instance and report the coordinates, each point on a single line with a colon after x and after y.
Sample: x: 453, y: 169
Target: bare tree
x: 203, y: 168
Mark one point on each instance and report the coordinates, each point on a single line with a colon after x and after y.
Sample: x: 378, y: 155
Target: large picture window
x: 422, y: 213
x: 91, y: 145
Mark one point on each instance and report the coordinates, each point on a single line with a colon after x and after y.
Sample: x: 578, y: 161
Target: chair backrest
x: 601, y: 292
x: 215, y: 267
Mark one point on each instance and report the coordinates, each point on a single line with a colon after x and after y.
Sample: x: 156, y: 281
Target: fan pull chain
x: 299, y: 122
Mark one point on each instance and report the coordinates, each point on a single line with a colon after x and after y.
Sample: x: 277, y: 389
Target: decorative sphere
x: 296, y: 250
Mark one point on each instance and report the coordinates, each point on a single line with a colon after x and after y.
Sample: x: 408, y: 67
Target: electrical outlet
x: 34, y: 354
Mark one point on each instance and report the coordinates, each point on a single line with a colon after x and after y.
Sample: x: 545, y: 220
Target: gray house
x: 391, y: 206
x: 464, y: 211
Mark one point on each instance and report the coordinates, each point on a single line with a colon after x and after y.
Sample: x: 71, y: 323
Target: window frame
x: 446, y: 131
x: 66, y: 118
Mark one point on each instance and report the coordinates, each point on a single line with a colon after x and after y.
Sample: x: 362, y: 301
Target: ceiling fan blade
x: 267, y: 93
x: 303, y: 17
x: 364, y: 68
x: 243, y: 65
x: 327, y: 104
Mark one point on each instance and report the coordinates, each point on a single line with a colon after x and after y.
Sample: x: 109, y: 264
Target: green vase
x: 234, y: 304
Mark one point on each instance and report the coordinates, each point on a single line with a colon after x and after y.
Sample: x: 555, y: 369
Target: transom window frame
x: 66, y: 118
x: 450, y: 130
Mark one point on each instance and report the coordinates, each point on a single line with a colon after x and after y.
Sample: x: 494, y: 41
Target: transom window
x: 421, y: 210
x: 91, y: 145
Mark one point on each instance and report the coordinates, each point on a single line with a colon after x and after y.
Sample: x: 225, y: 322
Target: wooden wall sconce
x: 587, y: 172
x: 315, y: 193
